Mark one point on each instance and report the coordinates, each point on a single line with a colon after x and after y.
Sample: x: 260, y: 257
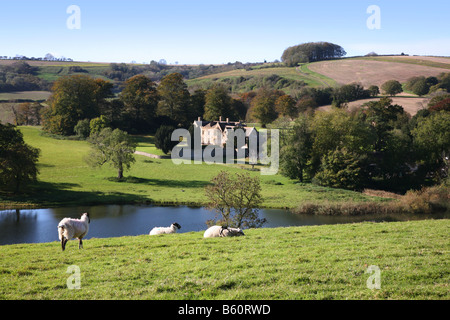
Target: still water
x: 40, y: 225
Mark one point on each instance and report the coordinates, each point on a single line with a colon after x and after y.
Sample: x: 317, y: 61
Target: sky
x: 218, y: 31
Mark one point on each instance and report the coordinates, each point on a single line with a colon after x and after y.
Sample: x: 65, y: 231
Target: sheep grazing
x: 219, y: 231
x: 165, y: 230
x: 69, y: 228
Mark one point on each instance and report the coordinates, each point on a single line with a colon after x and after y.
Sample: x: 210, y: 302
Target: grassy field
x: 311, y: 262
x: 25, y: 95
x: 411, y: 105
x: 65, y: 179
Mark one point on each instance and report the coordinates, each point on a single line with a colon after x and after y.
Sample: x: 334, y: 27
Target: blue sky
x: 218, y: 31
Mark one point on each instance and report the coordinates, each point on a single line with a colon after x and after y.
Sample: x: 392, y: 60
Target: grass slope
x: 313, y: 262
x: 65, y: 179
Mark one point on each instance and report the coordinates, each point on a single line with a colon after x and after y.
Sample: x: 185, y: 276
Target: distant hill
x: 240, y: 77
x: 379, y: 69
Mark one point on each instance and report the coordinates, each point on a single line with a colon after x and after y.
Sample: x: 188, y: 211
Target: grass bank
x: 65, y: 180
x: 313, y: 262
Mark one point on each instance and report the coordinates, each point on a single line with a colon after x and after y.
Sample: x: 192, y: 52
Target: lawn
x: 311, y: 262
x: 65, y: 179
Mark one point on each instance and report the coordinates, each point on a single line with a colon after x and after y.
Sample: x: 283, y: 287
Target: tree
x: 140, y: 99
x: 341, y: 168
x: 374, y: 91
x: 83, y: 129
x: 115, y: 147
x: 263, y: 106
x: 420, y: 87
x: 163, y: 139
x: 18, y: 160
x: 174, y: 99
x: 383, y: 116
x: 73, y: 98
x: 296, y: 153
x: 285, y: 105
x: 431, y: 138
x: 349, y: 92
x: 337, y: 129
x: 218, y: 103
x: 392, y: 87
x: 236, y: 199
x: 98, y: 124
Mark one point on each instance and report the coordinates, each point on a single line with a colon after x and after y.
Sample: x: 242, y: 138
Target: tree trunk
x: 120, y: 171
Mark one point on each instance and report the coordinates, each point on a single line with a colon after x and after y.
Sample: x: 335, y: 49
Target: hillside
x: 377, y: 70
x: 409, y: 103
x: 311, y: 262
x: 242, y: 78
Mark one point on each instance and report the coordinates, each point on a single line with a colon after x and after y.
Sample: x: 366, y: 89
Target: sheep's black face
x: 177, y: 225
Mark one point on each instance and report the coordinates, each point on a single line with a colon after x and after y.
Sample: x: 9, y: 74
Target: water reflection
x: 40, y: 225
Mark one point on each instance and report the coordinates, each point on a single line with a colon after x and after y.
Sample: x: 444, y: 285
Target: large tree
x: 392, y: 87
x: 18, y: 160
x: 140, y: 98
x: 296, y: 153
x: 175, y: 99
x: 431, y: 138
x: 263, y: 106
x: 74, y: 98
x: 113, y: 147
x: 218, y: 103
x: 337, y: 129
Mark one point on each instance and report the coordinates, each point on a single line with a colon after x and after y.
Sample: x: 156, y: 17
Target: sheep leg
x: 80, y: 244
x: 63, y: 243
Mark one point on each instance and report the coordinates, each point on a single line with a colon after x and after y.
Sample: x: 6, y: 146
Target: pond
x: 40, y: 225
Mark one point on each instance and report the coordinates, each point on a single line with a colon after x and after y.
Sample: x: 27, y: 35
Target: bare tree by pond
x: 236, y: 198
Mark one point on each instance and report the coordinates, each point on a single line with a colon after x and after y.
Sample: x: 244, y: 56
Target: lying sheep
x: 69, y: 228
x: 165, y: 230
x: 219, y: 231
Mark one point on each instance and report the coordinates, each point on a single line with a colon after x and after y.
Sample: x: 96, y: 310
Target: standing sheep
x: 69, y: 228
x: 219, y: 231
x: 165, y: 230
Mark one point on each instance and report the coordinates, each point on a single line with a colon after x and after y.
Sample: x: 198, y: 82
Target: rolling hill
x: 373, y: 70
x: 377, y: 70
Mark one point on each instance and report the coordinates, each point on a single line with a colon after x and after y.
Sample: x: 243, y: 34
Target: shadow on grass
x: 161, y: 182
x: 60, y: 194
x: 144, y: 139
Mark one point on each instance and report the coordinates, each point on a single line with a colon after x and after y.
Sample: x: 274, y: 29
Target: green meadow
x: 311, y: 262
x: 65, y: 179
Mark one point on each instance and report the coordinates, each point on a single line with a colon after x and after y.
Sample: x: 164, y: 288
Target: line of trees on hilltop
x: 311, y: 52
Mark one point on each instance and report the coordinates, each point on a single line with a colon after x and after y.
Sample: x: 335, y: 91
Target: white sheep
x: 69, y: 228
x: 220, y: 231
x: 165, y: 230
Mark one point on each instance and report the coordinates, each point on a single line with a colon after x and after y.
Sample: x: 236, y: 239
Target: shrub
x: 392, y: 87
x: 82, y: 129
